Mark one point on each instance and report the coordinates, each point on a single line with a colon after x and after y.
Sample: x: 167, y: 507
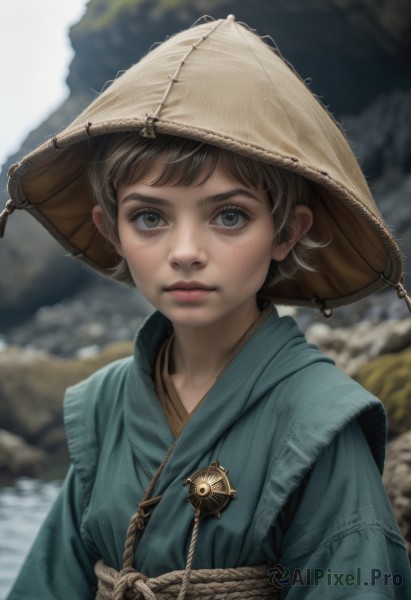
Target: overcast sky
x: 34, y: 59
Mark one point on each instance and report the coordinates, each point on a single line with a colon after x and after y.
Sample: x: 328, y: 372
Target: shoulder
x: 315, y: 400
x: 98, y: 393
x: 348, y: 508
x: 312, y: 400
x: 88, y: 407
x: 313, y: 404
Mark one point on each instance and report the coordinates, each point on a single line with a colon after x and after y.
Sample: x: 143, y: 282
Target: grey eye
x: 148, y: 220
x: 230, y: 218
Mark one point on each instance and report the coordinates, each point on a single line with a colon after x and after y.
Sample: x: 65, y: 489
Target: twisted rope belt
x: 241, y: 583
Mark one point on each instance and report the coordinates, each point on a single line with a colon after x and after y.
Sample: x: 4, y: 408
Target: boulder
x: 389, y: 378
x: 32, y: 386
x: 381, y: 134
x: 18, y: 459
x: 35, y: 270
x: 100, y: 314
x: 392, y: 192
x: 352, y: 347
x: 397, y: 480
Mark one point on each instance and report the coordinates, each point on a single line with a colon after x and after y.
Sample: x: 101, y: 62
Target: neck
x: 200, y: 353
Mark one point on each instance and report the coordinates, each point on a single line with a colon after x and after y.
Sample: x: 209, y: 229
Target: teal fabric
x: 280, y: 413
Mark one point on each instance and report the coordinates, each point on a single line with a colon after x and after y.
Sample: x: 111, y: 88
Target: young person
x: 228, y: 455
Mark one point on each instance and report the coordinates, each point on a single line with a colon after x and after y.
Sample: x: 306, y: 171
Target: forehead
x: 208, y: 188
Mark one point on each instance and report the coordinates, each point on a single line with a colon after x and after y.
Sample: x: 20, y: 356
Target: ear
x: 99, y: 222
x: 302, y: 219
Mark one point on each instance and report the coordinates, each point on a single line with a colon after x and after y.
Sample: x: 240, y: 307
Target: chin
x: 191, y: 317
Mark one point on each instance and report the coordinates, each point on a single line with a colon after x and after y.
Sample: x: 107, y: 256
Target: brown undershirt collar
x: 174, y: 410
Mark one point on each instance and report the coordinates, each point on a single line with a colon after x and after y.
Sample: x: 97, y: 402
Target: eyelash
x: 240, y: 211
x: 226, y: 209
x: 144, y: 211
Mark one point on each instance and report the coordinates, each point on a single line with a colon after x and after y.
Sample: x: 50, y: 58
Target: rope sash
x: 241, y: 583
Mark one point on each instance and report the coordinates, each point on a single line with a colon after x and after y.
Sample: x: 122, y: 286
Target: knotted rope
x: 143, y: 511
x: 187, y: 570
x: 241, y: 583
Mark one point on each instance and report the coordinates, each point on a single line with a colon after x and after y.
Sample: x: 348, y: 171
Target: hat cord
x: 402, y: 295
x: 4, y: 215
x: 400, y: 289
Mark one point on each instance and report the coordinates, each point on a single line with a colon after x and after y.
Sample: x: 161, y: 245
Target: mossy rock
x: 389, y: 378
x: 32, y: 386
x: 397, y: 480
x: 103, y: 13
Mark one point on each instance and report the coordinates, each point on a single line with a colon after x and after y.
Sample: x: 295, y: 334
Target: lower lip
x: 186, y: 295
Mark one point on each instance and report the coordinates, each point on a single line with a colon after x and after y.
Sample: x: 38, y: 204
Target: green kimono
x: 284, y: 421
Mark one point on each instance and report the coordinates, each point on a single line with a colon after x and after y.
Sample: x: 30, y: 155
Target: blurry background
x: 58, y: 322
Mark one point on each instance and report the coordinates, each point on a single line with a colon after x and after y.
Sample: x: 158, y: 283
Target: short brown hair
x: 126, y: 157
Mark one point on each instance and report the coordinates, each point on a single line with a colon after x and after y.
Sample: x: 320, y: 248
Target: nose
x: 187, y: 248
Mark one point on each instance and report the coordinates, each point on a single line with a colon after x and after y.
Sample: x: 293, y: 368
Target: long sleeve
x: 343, y: 541
x: 58, y: 565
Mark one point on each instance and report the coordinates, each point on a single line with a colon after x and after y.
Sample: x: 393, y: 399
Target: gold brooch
x: 210, y: 490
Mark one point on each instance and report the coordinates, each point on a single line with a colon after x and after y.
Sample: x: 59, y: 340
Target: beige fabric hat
x: 220, y: 83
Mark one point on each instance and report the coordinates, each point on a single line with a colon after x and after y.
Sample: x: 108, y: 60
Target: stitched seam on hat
x: 151, y: 118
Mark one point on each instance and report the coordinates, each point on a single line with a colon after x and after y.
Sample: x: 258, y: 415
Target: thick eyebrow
x: 223, y: 197
x: 214, y: 199
x: 143, y: 198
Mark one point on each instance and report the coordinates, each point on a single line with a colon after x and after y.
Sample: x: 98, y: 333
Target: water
x: 23, y: 508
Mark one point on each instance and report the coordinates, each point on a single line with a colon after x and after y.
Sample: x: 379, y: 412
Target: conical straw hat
x: 220, y: 83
